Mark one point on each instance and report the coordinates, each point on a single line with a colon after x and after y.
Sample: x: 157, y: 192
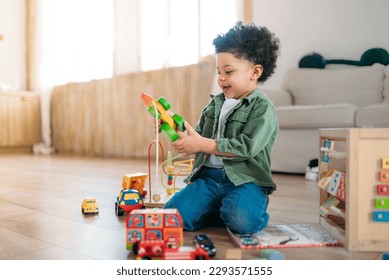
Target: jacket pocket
x: 236, y: 123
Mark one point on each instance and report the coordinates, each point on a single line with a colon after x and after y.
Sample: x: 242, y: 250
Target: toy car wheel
x: 164, y: 103
x: 146, y: 258
x: 82, y: 210
x: 119, y: 211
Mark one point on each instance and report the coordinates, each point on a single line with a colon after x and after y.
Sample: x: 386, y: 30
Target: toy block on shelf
x: 381, y: 216
x: 383, y: 189
x: 385, y: 163
x: 382, y: 203
x: 384, y: 175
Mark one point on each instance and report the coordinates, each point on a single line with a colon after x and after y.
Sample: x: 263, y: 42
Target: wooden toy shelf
x: 363, y: 155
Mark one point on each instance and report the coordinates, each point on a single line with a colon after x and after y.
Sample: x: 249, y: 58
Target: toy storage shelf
x: 363, y: 155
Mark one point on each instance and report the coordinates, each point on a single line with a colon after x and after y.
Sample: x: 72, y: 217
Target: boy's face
x: 236, y: 77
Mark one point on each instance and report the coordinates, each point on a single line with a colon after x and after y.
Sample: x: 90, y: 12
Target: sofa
x: 334, y: 97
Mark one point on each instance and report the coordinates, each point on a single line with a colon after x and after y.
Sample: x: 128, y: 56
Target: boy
x: 232, y: 141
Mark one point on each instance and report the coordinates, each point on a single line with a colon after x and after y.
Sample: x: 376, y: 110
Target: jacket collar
x: 249, y: 98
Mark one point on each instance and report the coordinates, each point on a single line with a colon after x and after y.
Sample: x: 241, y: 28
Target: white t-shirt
x: 228, y: 105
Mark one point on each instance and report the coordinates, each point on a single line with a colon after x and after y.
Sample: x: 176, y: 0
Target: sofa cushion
x: 386, y: 84
x: 279, y: 97
x: 376, y: 115
x: 360, y: 86
x: 316, y: 116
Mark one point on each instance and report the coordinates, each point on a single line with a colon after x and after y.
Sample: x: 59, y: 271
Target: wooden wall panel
x: 108, y: 118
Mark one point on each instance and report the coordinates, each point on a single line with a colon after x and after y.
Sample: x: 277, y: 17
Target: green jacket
x: 249, y: 132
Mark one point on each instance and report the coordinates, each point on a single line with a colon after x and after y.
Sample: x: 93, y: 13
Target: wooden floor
x: 40, y: 212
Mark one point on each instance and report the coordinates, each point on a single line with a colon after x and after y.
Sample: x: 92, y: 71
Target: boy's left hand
x: 189, y: 143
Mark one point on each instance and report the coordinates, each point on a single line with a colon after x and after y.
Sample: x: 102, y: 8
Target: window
x: 75, y: 41
x: 176, y: 32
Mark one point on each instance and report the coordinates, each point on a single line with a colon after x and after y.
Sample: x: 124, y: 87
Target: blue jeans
x: 241, y: 208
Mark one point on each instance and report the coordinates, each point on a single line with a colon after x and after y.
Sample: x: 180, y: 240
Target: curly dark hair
x: 253, y: 43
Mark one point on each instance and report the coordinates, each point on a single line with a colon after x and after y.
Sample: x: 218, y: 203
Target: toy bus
x: 153, y: 224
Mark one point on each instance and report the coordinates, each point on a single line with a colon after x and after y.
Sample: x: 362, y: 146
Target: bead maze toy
x: 169, y: 124
x: 169, y: 171
x: 168, y: 168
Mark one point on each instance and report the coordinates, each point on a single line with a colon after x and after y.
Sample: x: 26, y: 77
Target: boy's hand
x: 189, y: 142
x: 193, y: 143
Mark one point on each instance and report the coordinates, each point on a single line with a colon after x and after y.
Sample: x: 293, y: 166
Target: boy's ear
x: 257, y: 71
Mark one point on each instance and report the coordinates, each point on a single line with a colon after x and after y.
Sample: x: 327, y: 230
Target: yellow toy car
x: 89, y: 206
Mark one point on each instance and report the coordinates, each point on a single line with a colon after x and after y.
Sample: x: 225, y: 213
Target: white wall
x: 336, y: 29
x: 12, y: 47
